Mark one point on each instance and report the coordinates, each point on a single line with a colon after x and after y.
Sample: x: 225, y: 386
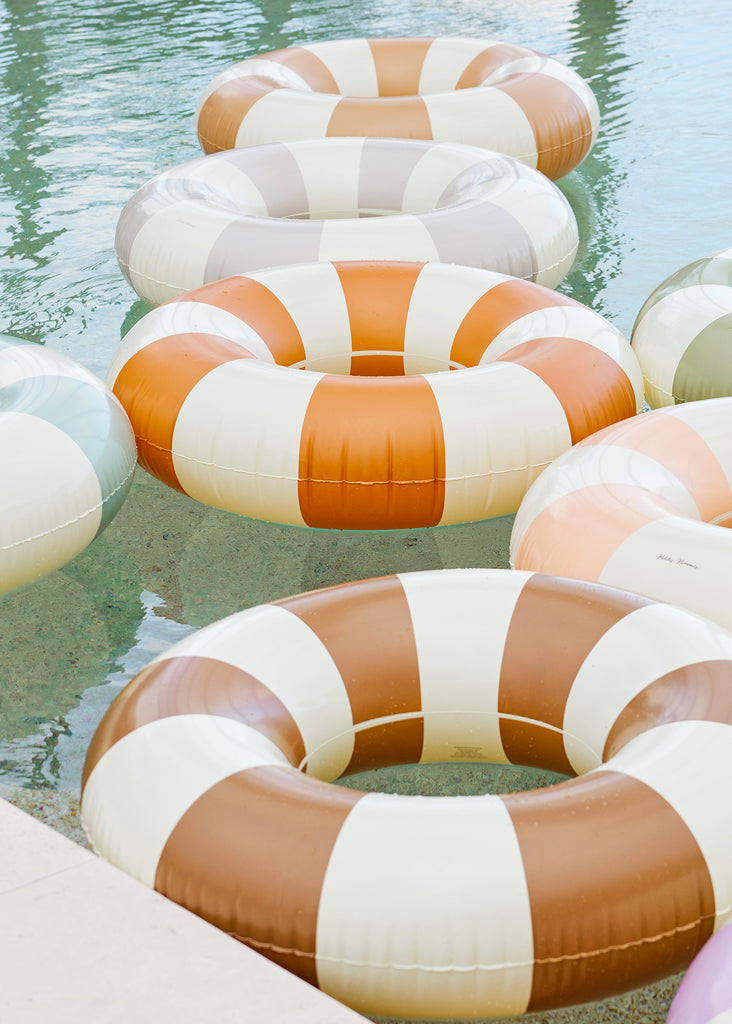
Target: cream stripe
x: 286, y: 114
x: 478, y: 406
x: 668, y: 328
x: 677, y: 560
x: 447, y: 59
x: 331, y: 177
x: 313, y: 296
x: 224, y: 175
x: 284, y: 654
x: 399, y: 929
x: 145, y: 783
x: 711, y: 420
x: 474, y: 610
x: 639, y: 649
x: 690, y: 765
x: 260, y: 66
x: 377, y: 238
x: 439, y: 167
x: 442, y: 297
x: 236, y: 441
x: 19, y: 362
x: 351, y: 64
x: 483, y: 117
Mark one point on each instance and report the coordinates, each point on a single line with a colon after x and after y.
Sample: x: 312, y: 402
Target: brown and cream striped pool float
x: 360, y: 395
x: 482, y: 92
x: 209, y: 779
x: 640, y: 505
x: 324, y: 199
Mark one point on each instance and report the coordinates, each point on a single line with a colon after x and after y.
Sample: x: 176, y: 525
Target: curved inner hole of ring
x: 451, y: 778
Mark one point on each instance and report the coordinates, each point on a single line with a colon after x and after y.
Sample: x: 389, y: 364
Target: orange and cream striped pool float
x: 362, y: 395
x: 209, y: 780
x: 325, y: 199
x: 640, y: 505
x: 482, y: 92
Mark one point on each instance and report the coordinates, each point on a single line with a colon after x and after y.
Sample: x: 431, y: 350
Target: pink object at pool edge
x: 705, y: 993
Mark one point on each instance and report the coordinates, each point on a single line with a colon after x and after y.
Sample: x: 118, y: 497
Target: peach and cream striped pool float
x: 357, y: 395
x: 209, y: 780
x: 683, y: 334
x: 451, y: 89
x: 640, y: 505
x: 67, y: 457
x: 324, y: 199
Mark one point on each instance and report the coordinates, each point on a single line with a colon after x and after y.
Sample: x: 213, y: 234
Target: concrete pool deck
x: 81, y: 942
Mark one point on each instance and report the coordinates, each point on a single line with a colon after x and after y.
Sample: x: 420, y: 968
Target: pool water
x: 95, y: 99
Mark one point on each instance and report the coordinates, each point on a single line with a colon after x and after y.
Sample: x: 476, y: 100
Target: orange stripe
x: 388, y: 117
x: 224, y: 110
x: 606, y: 514
x: 559, y: 120
x: 377, y: 299
x: 258, y: 307
x: 601, y: 883
x: 380, y: 678
x: 398, y: 64
x: 554, y: 626
x: 591, y: 387
x: 153, y: 385
x: 490, y: 60
x: 307, y: 65
x: 497, y: 309
x: 372, y: 454
x: 681, y: 450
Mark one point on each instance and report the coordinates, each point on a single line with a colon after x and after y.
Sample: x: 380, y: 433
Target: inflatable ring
x: 683, y: 334
x: 379, y: 434
x: 230, y: 213
x: 638, y: 506
x: 705, y: 993
x: 208, y: 779
x: 490, y: 94
x: 67, y: 456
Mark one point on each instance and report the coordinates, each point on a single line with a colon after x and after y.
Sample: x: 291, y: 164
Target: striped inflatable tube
x: 705, y: 993
x: 379, y: 434
x: 324, y: 199
x: 637, y: 506
x: 484, y: 93
x: 683, y: 334
x: 208, y: 780
x: 67, y: 455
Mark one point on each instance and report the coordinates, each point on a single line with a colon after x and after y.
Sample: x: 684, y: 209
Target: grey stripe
x: 385, y: 170
x: 251, y: 243
x: 273, y: 170
x: 482, y: 235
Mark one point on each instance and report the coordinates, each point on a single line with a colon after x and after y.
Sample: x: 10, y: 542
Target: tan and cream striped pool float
x: 208, y: 779
x: 640, y: 505
x: 482, y: 92
x: 683, y: 334
x: 359, y: 395
x: 325, y: 199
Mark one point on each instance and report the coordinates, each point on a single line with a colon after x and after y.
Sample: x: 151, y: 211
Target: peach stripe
x: 488, y: 61
x: 372, y: 454
x: 224, y: 110
x: 311, y: 68
x: 153, y: 385
x: 393, y: 117
x: 398, y: 64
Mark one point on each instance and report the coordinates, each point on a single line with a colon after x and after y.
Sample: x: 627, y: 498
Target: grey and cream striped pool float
x: 209, y: 779
x: 451, y: 89
x: 67, y: 456
x: 341, y: 199
x: 683, y: 334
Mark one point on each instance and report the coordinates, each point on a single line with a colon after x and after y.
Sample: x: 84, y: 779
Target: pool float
x: 67, y: 457
x: 640, y: 505
x: 209, y: 779
x: 481, y: 92
x: 432, y: 393
x: 324, y: 199
x: 705, y: 993
x: 683, y: 334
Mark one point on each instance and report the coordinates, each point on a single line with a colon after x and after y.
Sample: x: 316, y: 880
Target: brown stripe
x: 390, y: 117
x: 372, y: 454
x: 224, y: 110
x: 559, y: 120
x: 250, y: 856
x: 255, y: 305
x: 193, y: 685
x: 153, y: 385
x: 367, y: 629
x: 618, y: 887
x: 496, y: 310
x: 701, y: 692
x: 554, y: 626
x: 592, y: 388
x: 307, y: 65
x: 490, y: 60
x: 377, y: 299
x: 398, y: 64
